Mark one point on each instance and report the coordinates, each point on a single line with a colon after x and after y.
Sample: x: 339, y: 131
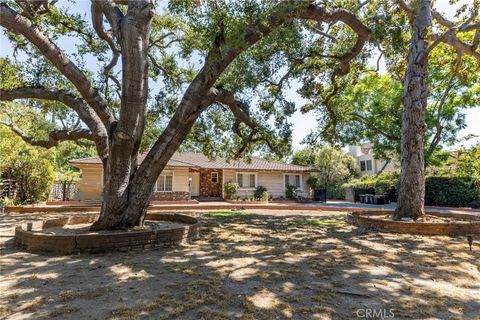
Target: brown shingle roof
x: 198, y: 160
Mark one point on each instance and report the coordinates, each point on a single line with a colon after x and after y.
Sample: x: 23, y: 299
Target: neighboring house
x: 367, y: 164
x: 189, y: 174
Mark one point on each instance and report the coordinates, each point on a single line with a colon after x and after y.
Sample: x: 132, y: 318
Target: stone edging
x: 95, y: 242
x: 363, y: 219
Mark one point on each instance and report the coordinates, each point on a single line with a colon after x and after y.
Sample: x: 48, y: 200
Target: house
x: 367, y: 164
x: 190, y: 175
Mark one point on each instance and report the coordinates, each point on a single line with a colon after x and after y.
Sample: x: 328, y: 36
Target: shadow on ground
x: 250, y: 265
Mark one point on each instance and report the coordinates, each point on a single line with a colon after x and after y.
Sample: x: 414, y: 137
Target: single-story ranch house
x: 190, y: 175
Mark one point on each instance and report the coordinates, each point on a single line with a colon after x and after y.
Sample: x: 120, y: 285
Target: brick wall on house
x: 209, y: 188
x: 170, y: 195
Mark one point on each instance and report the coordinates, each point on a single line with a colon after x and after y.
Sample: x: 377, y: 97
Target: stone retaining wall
x: 101, y: 242
x: 363, y: 219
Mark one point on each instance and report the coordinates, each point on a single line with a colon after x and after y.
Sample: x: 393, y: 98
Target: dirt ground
x: 250, y: 265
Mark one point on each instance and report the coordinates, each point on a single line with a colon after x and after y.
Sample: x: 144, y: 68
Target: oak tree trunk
x: 412, y: 177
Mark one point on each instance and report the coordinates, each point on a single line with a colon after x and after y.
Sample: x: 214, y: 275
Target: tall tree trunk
x: 126, y: 134
x: 412, y: 178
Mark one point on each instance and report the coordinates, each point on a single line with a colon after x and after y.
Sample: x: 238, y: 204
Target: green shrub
x: 261, y: 193
x: 387, y: 183
x: 450, y: 191
x: 230, y: 188
x: 34, y: 174
x: 291, y: 192
x: 475, y: 204
x: 7, y: 202
x: 313, y: 181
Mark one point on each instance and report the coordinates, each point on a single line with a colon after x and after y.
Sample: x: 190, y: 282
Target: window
x: 246, y: 180
x: 292, y: 180
x: 369, y: 165
x: 214, y: 177
x: 165, y: 182
x: 366, y: 165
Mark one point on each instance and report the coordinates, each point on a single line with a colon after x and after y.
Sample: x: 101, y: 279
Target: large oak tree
x: 227, y: 37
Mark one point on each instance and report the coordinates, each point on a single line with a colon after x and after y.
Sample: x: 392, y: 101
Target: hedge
x: 448, y: 191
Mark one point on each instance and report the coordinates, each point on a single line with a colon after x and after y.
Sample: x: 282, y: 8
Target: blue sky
x: 302, y: 123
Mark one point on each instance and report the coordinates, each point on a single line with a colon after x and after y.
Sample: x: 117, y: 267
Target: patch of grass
x: 63, y: 311
x: 12, y: 297
x: 35, y: 304
x: 122, y: 312
x: 318, y: 223
x: 74, y: 294
x: 224, y: 214
x: 4, y: 311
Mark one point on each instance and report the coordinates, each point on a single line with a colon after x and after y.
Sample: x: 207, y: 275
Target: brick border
x: 453, y: 229
x: 35, y: 241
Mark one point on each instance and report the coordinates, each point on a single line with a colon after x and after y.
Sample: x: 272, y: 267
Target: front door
x: 194, y: 184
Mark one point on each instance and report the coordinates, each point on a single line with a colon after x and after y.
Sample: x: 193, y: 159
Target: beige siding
x: 180, y: 180
x: 90, y: 185
x: 273, y: 181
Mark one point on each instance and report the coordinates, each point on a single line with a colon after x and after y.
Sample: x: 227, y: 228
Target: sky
x: 303, y: 124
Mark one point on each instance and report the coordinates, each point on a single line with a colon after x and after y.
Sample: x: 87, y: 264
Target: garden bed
x: 432, y: 224
x: 72, y: 235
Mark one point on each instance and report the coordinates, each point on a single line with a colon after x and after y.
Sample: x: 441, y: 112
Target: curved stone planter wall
x: 363, y: 219
x: 36, y: 241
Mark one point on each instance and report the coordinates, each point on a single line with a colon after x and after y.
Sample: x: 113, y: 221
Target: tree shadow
x: 252, y: 266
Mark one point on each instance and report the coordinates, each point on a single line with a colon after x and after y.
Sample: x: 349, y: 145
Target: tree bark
x: 412, y: 178
x: 127, y: 134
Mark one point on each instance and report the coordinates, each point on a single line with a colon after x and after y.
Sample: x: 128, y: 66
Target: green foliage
x: 313, y: 181
x: 385, y: 183
x: 225, y: 214
x: 34, y: 174
x: 450, y: 191
x: 261, y: 193
x: 7, y: 202
x: 463, y: 162
x: 368, y: 107
x: 230, y: 188
x: 31, y: 167
x: 291, y: 192
x: 333, y: 168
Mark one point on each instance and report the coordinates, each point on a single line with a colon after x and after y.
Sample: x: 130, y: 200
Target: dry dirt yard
x: 250, y: 265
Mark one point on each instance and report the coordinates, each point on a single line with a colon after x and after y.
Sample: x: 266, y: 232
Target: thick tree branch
x: 240, y: 111
x: 19, y: 24
x: 54, y: 137
x: 97, y: 21
x: 84, y: 111
x: 112, y: 13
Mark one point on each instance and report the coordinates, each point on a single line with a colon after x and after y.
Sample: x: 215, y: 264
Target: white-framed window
x: 247, y: 180
x: 366, y: 165
x: 293, y: 179
x: 214, y: 177
x: 165, y: 182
